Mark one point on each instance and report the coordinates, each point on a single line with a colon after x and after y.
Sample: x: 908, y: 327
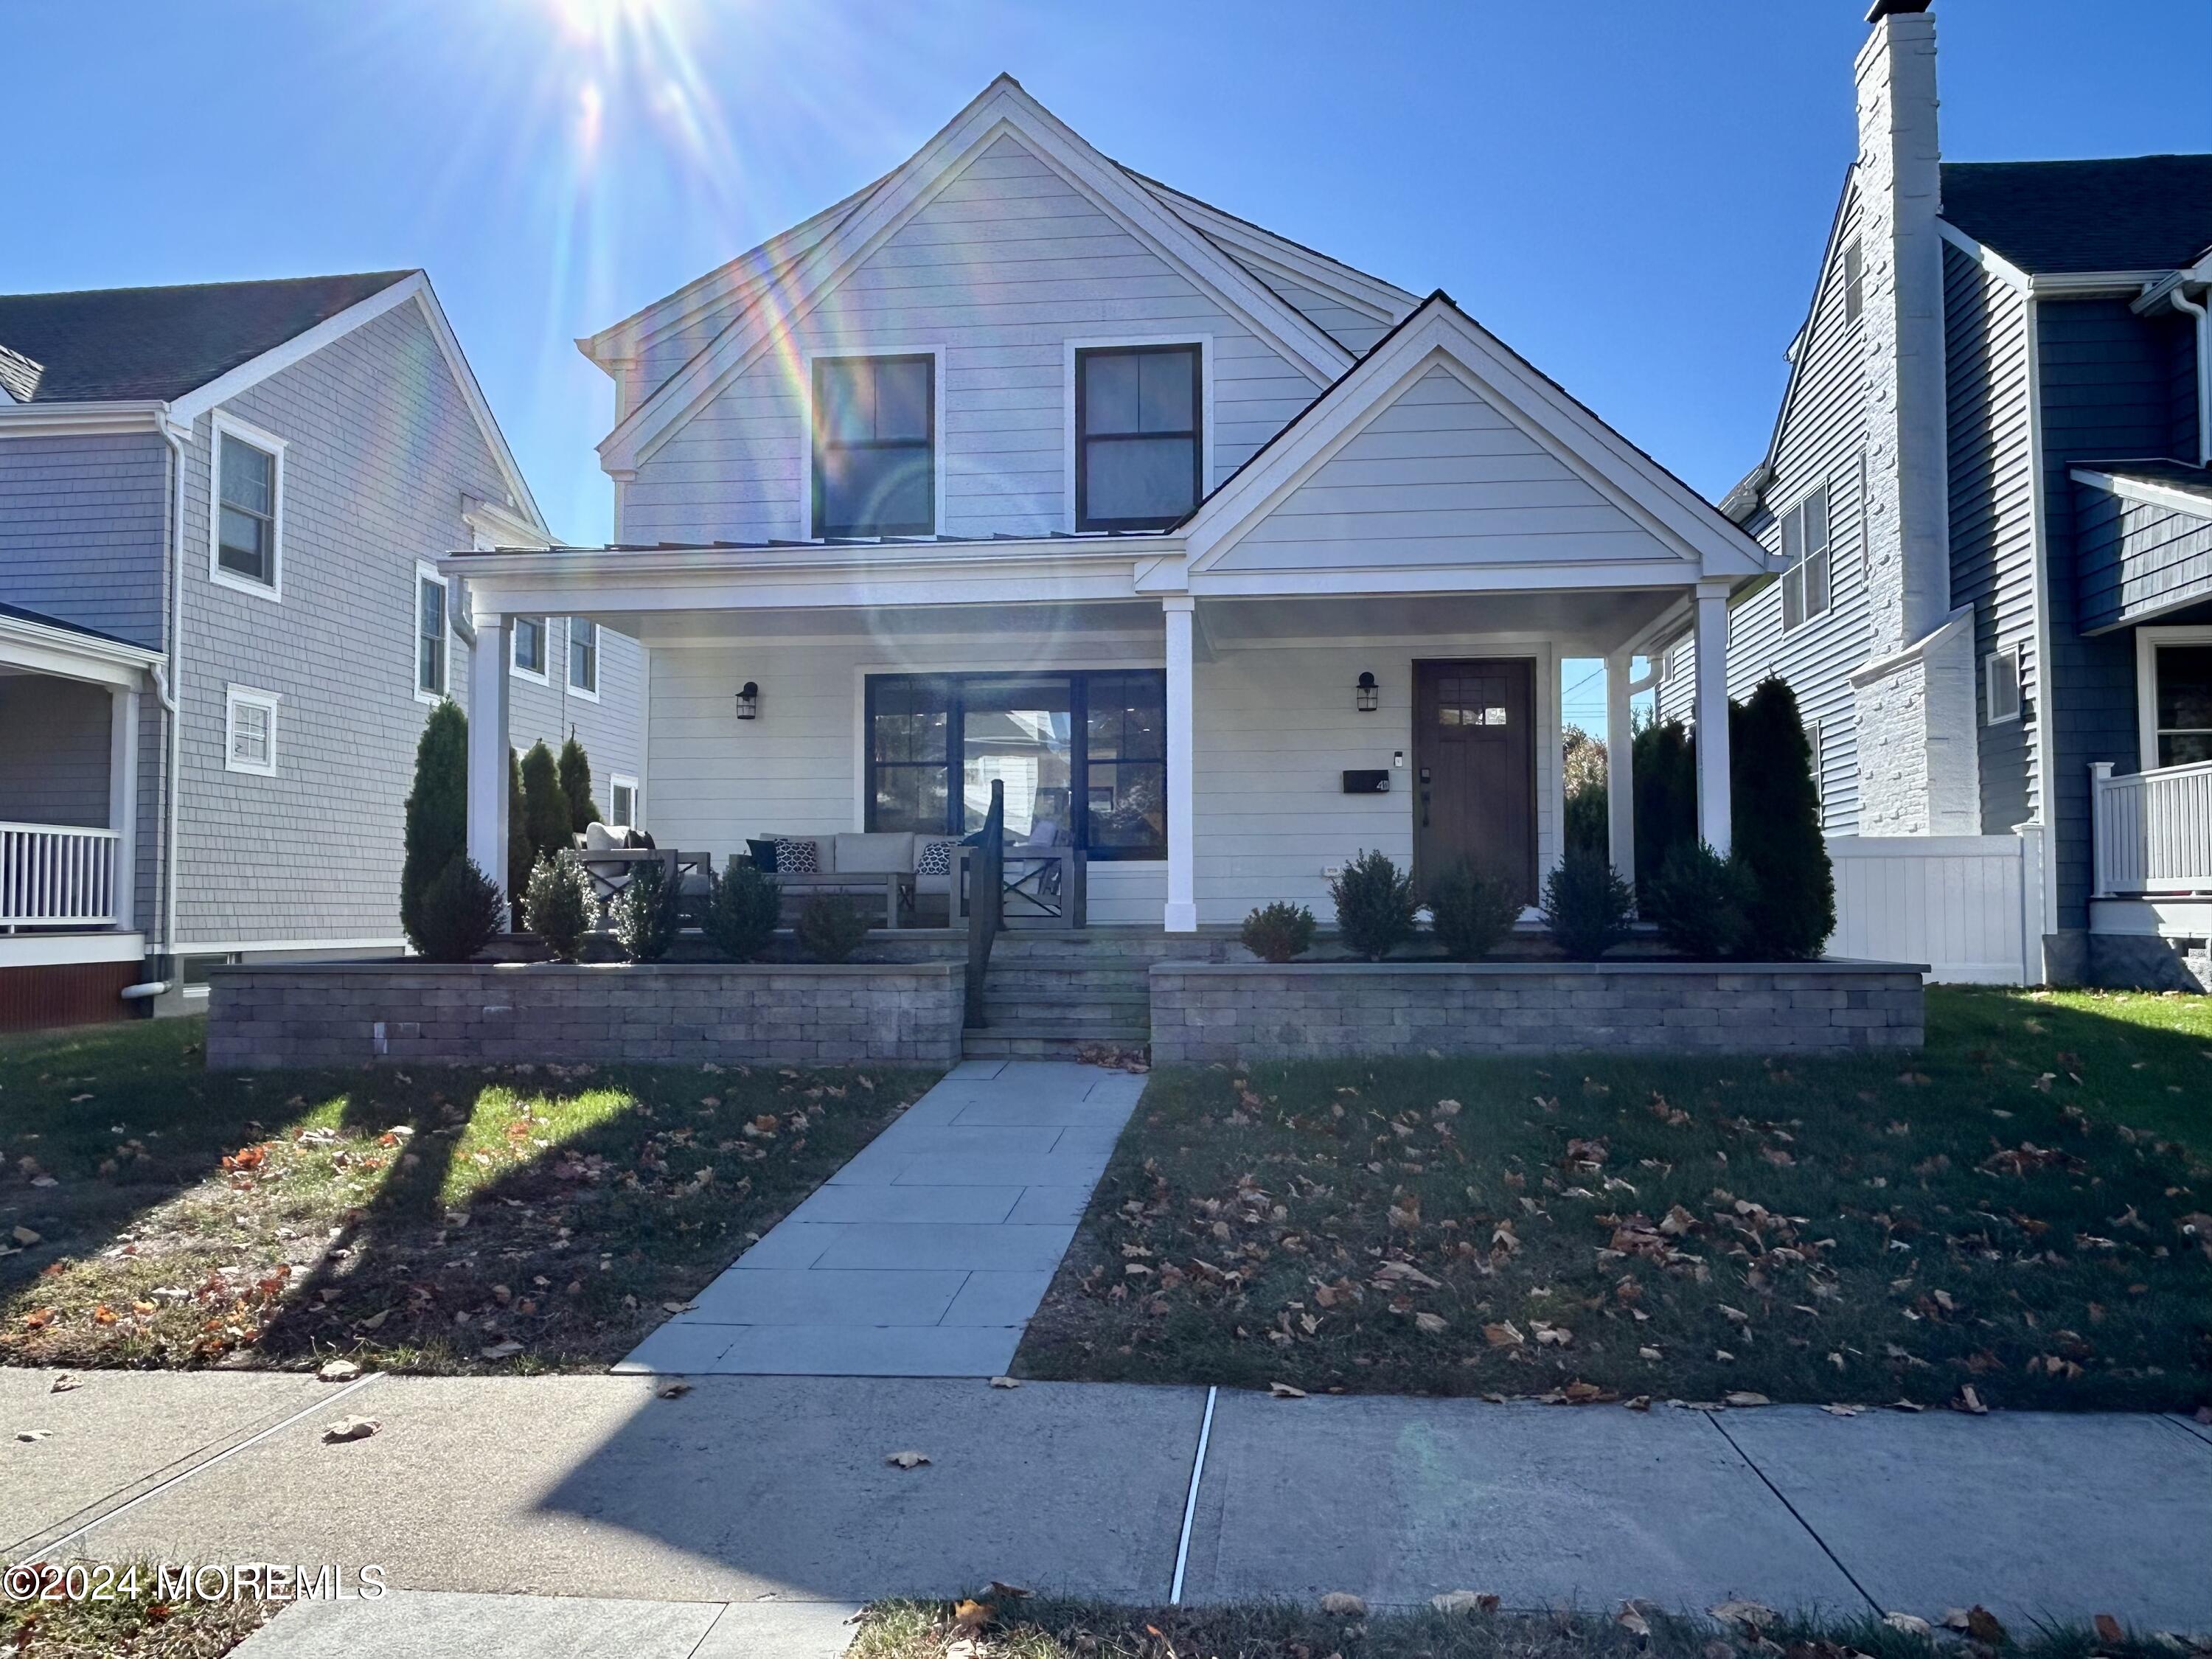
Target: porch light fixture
x: 749, y: 702
x: 1367, y: 696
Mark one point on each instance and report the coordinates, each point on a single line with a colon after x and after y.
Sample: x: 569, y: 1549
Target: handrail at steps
x: 986, y: 900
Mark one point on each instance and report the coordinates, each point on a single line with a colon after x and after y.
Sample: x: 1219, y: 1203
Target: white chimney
x: 1918, y: 772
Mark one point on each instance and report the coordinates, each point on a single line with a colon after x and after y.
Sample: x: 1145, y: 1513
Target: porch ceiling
x: 1085, y: 620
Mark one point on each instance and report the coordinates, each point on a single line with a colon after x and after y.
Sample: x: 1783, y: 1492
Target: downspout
x: 2194, y: 308
x: 166, y: 678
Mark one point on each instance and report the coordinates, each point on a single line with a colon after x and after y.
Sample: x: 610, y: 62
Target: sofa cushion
x: 800, y: 856
x: 933, y: 856
x: 597, y: 838
x: 763, y: 854
x: 876, y: 853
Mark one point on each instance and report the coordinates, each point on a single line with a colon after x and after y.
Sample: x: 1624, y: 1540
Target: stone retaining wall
x: 1307, y: 1011
x: 341, y: 1013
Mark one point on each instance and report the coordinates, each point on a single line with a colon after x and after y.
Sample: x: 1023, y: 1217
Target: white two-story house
x: 1225, y: 558
x: 220, y: 629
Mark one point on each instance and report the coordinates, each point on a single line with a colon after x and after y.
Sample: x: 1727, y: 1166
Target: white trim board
x: 1003, y: 109
x: 59, y: 949
x: 69, y: 655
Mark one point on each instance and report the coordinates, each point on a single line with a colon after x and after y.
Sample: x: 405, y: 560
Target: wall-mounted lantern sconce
x: 748, y: 702
x: 1367, y: 696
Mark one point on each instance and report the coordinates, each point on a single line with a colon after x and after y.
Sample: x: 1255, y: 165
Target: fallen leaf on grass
x: 349, y: 1428
x: 1977, y: 1621
x: 1910, y: 1624
x: 1504, y: 1335
x: 675, y: 1390
x: 1970, y: 1402
x: 502, y: 1351
x: 25, y: 1236
x: 1005, y: 1382
x: 1285, y: 1391
x: 1464, y: 1602
x: 1434, y: 1324
x: 1633, y: 1622
x: 1756, y: 1614
x: 971, y: 1615
x: 1344, y: 1604
x: 1842, y: 1411
x: 906, y: 1460
x: 337, y: 1371
x: 1744, y: 1397
x: 2108, y: 1629
x: 679, y: 1307
x: 1006, y: 1592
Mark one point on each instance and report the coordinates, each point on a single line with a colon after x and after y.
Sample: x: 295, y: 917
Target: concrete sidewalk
x: 926, y: 1255
x: 777, y: 1488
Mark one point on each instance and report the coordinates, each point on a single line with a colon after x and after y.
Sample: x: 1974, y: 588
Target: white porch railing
x: 57, y: 875
x: 2152, y: 830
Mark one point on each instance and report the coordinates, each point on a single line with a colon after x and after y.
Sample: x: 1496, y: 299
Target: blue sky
x: 1631, y: 192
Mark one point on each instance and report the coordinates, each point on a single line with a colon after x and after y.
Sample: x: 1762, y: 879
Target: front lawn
x: 2019, y: 1211
x: 410, y: 1218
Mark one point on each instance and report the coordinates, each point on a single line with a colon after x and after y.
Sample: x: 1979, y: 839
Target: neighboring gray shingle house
x: 1988, y: 484
x: 220, y: 631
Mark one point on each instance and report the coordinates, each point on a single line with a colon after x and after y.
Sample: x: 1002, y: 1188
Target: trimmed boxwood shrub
x: 1700, y: 901
x: 1374, y: 906
x: 830, y: 927
x: 559, y: 905
x: 742, y: 910
x: 1471, y: 913
x: 1278, y: 932
x: 1586, y: 904
x: 459, y: 916
x: 646, y: 913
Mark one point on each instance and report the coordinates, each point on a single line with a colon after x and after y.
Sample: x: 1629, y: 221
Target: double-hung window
x: 1138, y: 441
x: 583, y: 656
x: 430, y: 631
x: 875, y: 446
x: 622, y: 797
x: 529, y: 646
x: 1854, y: 282
x: 1082, y: 758
x: 248, y: 510
x: 1805, y: 550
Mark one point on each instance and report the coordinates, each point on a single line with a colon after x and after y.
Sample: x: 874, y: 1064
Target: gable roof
x: 2129, y: 213
x: 792, y: 290
x: 1438, y: 333
x: 743, y: 280
x: 113, y: 343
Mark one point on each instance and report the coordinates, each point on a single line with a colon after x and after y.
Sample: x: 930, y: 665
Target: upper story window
x: 1854, y: 282
x: 875, y: 443
x: 249, y: 483
x: 584, y: 656
x: 2001, y: 686
x: 529, y: 646
x: 430, y: 630
x: 1805, y: 588
x: 1138, y: 447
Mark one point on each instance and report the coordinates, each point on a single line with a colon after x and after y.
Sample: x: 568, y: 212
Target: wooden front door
x: 1474, y: 758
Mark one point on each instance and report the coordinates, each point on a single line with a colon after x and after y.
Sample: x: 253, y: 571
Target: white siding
x: 1355, y: 330
x: 1002, y: 266
x: 1441, y: 476
x: 1275, y: 729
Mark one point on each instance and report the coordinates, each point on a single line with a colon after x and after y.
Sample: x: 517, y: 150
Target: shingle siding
x: 1003, y: 266
x: 381, y: 446
x: 2137, y: 558
x: 1993, y: 515
x: 82, y: 530
x: 2105, y: 377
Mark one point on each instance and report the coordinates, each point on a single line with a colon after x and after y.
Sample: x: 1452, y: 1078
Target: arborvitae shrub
x: 461, y: 914
x: 1777, y: 824
x: 1586, y: 904
x: 1471, y: 912
x: 1374, y: 906
x: 437, y: 830
x: 575, y: 772
x: 1699, y: 902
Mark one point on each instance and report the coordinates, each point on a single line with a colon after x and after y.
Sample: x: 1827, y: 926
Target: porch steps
x: 1050, y: 996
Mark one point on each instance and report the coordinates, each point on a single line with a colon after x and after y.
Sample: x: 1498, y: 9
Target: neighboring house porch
x: 1353, y: 643
x: 69, y: 770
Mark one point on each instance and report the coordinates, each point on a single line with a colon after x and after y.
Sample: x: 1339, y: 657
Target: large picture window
x: 1137, y: 437
x: 875, y: 440
x: 1082, y: 757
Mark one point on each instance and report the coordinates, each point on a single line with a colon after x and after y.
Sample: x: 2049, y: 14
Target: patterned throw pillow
x: 797, y: 856
x: 935, y: 858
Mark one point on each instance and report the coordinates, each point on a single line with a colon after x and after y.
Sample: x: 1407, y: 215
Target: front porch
x: 70, y: 777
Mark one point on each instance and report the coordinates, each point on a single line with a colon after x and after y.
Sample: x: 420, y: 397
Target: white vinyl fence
x: 1956, y: 903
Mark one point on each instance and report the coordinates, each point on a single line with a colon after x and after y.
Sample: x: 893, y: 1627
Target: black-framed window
x: 875, y: 443
x: 247, y: 544
x: 1083, y: 757
x: 1139, y: 411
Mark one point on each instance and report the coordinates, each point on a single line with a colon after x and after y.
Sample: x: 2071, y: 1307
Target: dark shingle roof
x: 126, y: 343
x: 2132, y: 213
x: 43, y: 620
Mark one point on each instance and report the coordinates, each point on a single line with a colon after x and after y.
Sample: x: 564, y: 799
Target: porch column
x: 1620, y: 769
x: 123, y: 799
x: 487, y: 759
x: 1714, y: 809
x: 1182, y: 876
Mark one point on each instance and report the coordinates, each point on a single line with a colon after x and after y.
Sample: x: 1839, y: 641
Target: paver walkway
x: 926, y: 1255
